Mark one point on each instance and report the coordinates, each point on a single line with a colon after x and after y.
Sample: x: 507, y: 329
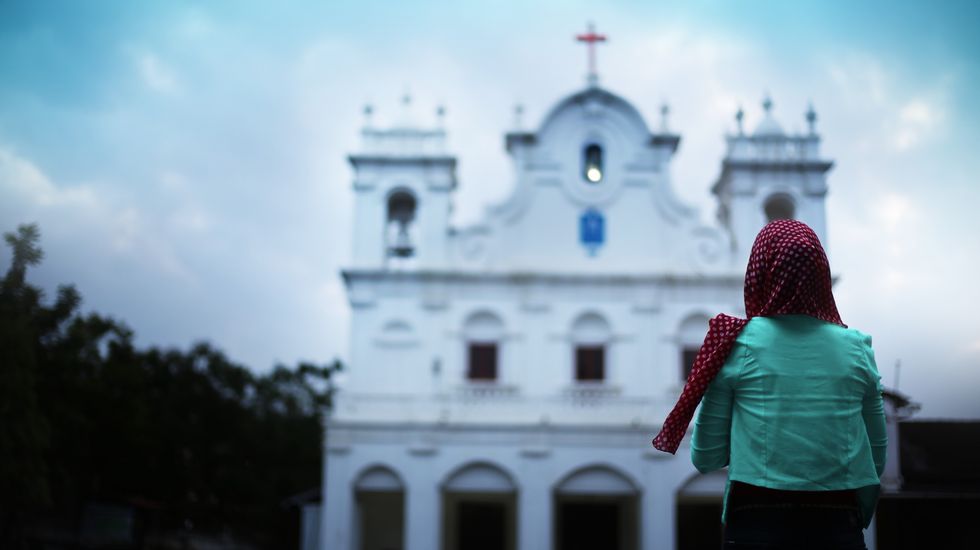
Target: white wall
x: 537, y: 462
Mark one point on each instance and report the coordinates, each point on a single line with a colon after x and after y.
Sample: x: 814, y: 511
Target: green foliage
x: 24, y: 431
x: 88, y: 416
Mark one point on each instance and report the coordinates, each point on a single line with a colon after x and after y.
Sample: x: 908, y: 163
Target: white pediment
x: 640, y: 225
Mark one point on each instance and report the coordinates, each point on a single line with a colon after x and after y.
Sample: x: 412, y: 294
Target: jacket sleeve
x: 711, y: 441
x: 874, y: 412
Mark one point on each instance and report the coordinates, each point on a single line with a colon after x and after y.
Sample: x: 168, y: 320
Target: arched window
x: 480, y: 477
x: 596, y: 480
x: 401, y: 215
x: 595, y: 505
x: 591, y: 336
x: 698, y: 498
x: 779, y: 207
x: 379, y: 495
x: 691, y: 336
x: 483, y: 332
x: 479, y: 508
x: 592, y: 169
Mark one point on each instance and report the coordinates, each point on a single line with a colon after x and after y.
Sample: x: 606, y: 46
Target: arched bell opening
x: 399, y: 225
x: 779, y: 207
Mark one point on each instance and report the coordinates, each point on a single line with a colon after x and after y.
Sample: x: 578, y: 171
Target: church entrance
x: 381, y: 515
x: 596, y: 507
x: 380, y: 500
x: 479, y: 510
x: 476, y: 521
x: 699, y: 511
x: 586, y: 523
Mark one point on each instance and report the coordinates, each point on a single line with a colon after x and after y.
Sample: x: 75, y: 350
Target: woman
x: 791, y: 404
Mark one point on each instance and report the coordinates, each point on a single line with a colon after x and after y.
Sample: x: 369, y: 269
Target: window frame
x: 582, y: 362
x: 491, y: 348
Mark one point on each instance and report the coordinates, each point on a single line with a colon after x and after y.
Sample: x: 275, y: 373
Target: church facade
x: 506, y: 378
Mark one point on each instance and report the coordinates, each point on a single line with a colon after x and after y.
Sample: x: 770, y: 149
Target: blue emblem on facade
x: 592, y: 230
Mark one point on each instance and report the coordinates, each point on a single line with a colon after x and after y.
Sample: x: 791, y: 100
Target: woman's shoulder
x: 781, y: 326
x: 859, y: 337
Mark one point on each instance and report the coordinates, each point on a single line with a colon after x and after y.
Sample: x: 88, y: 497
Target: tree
x: 88, y: 416
x: 24, y: 431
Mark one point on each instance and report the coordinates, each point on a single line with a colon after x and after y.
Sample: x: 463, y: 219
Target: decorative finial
x: 440, y: 114
x: 739, y: 117
x: 518, y: 116
x: 368, y: 112
x: 405, y: 117
x: 767, y: 103
x: 591, y: 38
x: 811, y: 119
x: 664, y: 111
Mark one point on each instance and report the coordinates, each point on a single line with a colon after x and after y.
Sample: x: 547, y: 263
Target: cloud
x: 894, y: 210
x: 917, y: 120
x: 20, y: 177
x: 225, y: 213
x: 174, y: 182
x: 191, y: 219
x: 893, y: 113
x: 87, y: 213
x: 972, y: 348
x: 156, y: 75
x: 860, y: 78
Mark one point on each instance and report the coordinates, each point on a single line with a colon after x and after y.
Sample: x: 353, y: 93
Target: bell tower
x: 768, y: 175
x: 403, y: 181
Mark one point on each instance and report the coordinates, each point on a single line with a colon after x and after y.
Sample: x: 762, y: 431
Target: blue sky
x: 185, y: 160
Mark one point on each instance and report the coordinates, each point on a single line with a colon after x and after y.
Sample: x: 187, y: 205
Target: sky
x: 186, y: 161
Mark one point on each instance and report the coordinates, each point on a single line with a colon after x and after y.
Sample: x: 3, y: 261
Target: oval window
x: 592, y: 163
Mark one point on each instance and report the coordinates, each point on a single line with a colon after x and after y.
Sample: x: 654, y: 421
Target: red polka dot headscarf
x: 787, y: 273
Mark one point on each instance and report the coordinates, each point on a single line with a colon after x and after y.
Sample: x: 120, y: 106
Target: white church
x: 505, y: 379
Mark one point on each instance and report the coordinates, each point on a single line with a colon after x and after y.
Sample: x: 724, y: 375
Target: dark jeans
x: 795, y: 527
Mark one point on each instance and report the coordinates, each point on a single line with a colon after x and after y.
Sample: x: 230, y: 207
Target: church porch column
x: 338, y: 503
x: 535, y: 516
x: 658, y: 513
x: 423, y: 511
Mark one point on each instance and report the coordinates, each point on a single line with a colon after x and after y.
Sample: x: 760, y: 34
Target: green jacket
x: 796, y: 406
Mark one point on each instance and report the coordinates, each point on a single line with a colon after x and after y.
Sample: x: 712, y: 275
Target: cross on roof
x: 591, y: 38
